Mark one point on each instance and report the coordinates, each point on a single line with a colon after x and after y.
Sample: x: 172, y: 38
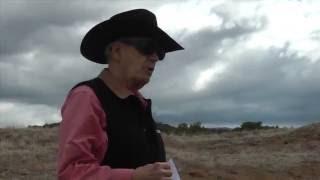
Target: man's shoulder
x: 87, y: 86
x: 82, y: 89
x: 81, y: 92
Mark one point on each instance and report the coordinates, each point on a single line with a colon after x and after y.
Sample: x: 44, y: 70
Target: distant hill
x: 51, y: 125
x: 192, y: 128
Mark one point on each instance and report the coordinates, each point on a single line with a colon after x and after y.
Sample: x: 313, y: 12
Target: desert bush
x: 196, y: 128
x: 251, y: 125
x: 183, y: 128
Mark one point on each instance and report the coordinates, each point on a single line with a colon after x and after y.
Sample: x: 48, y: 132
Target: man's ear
x: 115, y: 51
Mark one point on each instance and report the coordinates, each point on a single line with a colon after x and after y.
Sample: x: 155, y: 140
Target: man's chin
x: 144, y: 81
x: 139, y: 83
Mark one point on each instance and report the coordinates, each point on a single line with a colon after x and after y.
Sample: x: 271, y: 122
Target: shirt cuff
x: 123, y: 174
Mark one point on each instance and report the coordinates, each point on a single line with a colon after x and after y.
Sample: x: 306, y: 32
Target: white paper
x: 175, y: 174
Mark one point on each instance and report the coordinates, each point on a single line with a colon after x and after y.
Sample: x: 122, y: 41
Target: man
x: 107, y: 130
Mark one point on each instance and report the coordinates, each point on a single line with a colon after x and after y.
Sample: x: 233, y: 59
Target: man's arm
x: 83, y: 140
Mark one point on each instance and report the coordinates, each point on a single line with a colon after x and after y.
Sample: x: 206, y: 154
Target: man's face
x: 138, y: 65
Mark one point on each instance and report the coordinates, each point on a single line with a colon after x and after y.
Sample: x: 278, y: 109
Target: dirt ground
x: 274, y: 154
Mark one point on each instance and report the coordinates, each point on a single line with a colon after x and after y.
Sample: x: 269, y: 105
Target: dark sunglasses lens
x: 149, y: 47
x: 146, y: 46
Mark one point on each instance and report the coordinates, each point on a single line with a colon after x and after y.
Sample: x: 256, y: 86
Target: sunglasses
x: 145, y: 46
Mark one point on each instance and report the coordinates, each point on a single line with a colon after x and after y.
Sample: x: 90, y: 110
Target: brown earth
x: 284, y: 154
x: 273, y: 154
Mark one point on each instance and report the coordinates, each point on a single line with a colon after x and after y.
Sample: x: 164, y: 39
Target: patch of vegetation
x: 189, y: 129
x: 52, y: 125
x: 197, y: 128
x: 252, y: 125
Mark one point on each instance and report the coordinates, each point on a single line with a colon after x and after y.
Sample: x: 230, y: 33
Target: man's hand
x: 155, y: 171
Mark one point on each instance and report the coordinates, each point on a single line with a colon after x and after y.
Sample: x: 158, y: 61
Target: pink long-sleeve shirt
x: 83, y: 139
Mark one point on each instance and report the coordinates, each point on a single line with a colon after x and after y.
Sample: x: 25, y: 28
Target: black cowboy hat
x: 133, y: 23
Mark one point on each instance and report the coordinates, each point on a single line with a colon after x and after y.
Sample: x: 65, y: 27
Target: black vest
x: 133, y: 139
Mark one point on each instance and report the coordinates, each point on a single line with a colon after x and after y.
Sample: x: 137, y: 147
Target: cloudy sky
x: 244, y: 60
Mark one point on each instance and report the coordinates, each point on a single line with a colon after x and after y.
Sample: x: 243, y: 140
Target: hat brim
x: 95, y: 41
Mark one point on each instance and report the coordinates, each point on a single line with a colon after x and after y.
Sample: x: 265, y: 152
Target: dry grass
x: 285, y: 154
x: 28, y: 153
x: 272, y: 154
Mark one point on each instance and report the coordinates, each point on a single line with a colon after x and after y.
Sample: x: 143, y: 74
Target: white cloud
x: 13, y: 114
x: 289, y: 22
x: 188, y: 15
x: 208, y: 76
x: 5, y: 107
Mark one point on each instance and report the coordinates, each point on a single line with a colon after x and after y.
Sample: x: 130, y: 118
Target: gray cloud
x: 40, y: 47
x: 201, y: 51
x: 23, y: 21
x: 259, y: 85
x: 28, y: 24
